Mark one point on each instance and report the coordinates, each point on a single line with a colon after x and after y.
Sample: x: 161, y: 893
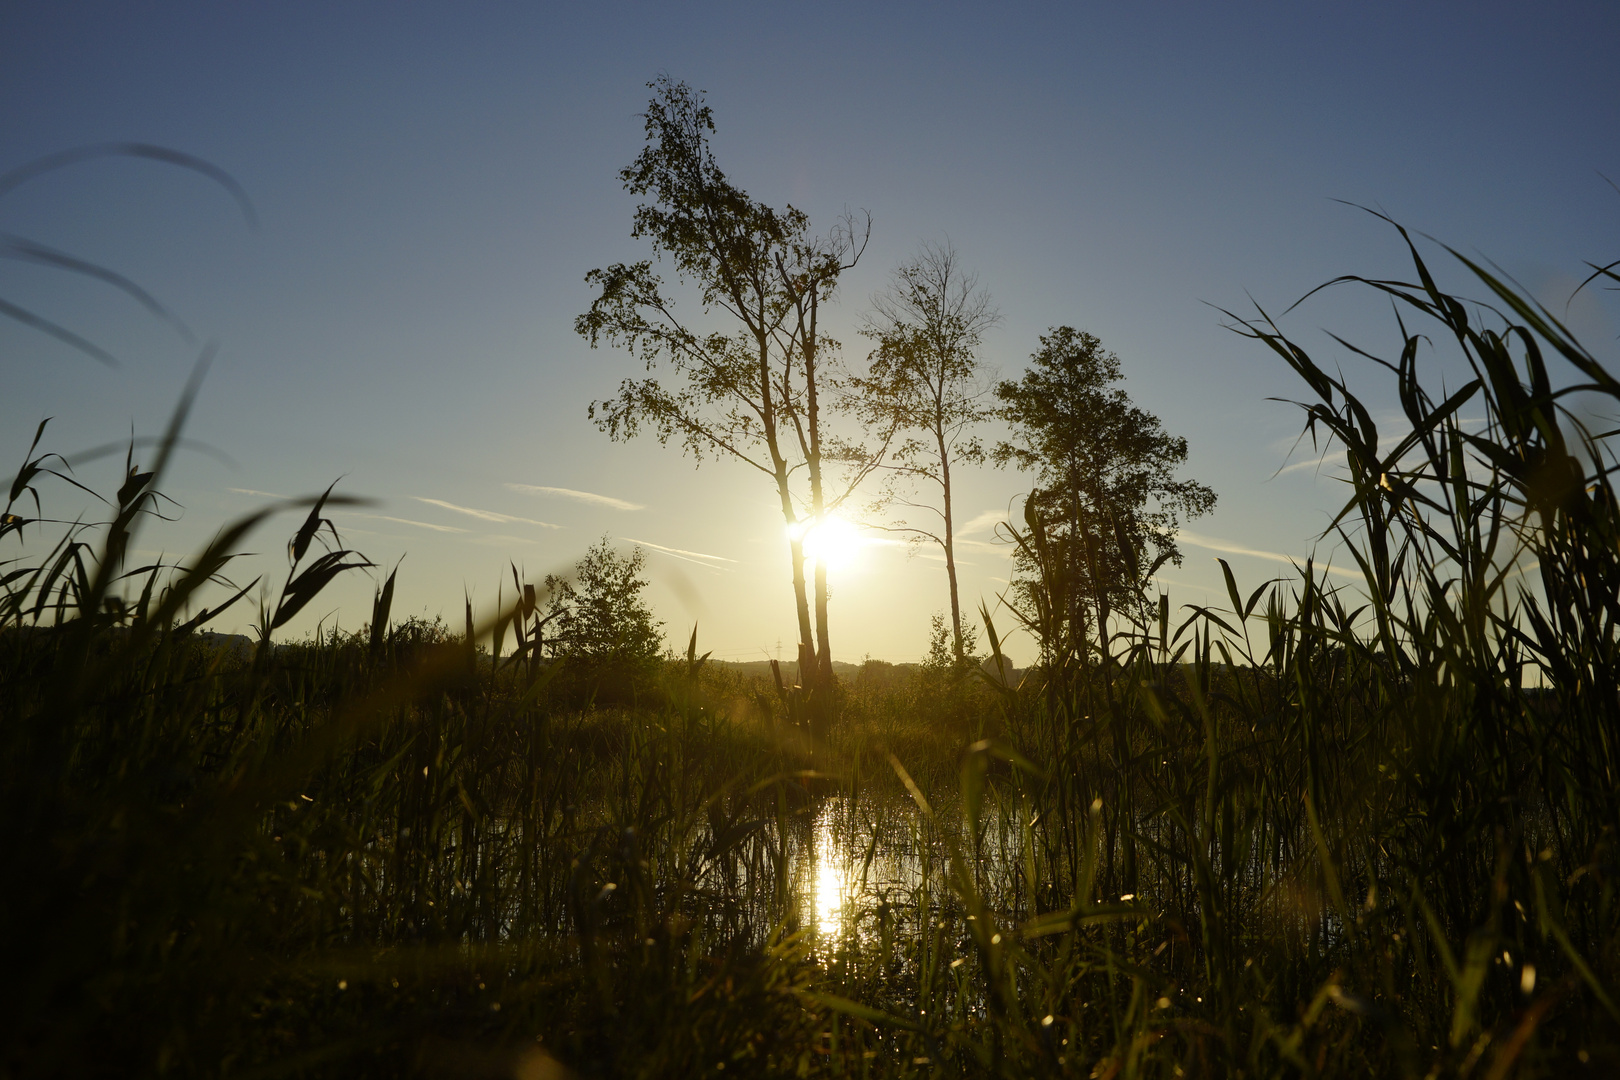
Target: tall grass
x: 1370, y: 826
x: 1326, y: 830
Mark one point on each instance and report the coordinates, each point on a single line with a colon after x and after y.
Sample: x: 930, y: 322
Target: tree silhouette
x: 751, y: 392
x: 1106, y: 494
x: 602, y: 619
x: 924, y: 381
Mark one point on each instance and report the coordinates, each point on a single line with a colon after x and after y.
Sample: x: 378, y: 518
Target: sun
x: 834, y: 542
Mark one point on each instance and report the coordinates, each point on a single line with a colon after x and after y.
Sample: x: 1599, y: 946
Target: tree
x: 924, y: 382
x: 752, y: 392
x: 601, y: 620
x: 1106, y: 493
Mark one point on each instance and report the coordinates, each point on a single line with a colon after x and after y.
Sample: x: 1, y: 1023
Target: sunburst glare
x: 834, y: 541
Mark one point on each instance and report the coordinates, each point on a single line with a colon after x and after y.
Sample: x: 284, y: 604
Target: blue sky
x: 433, y: 181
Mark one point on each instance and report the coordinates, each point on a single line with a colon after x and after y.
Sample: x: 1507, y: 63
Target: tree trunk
x: 1077, y: 597
x: 950, y: 550
x: 801, y: 593
x: 824, y: 671
x: 818, y: 506
x: 801, y: 598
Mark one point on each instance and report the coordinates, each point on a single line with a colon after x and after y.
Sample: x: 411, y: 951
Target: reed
x: 1327, y: 830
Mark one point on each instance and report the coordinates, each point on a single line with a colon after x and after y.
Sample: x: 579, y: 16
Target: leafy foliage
x: 1102, y: 517
x: 601, y: 622
x: 753, y: 393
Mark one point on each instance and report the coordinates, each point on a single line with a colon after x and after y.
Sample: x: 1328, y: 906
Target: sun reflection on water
x: 854, y: 871
x: 829, y: 869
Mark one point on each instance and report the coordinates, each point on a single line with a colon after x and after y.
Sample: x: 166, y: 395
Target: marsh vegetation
x: 1326, y: 829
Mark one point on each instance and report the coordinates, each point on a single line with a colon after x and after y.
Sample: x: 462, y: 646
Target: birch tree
x: 745, y: 385
x: 924, y: 380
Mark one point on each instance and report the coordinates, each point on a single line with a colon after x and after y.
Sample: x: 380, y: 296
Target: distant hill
x: 761, y: 669
x: 878, y: 670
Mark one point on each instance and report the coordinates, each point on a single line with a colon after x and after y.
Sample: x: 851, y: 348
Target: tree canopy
x: 1106, y: 504
x: 924, y: 385
x: 750, y: 391
x: 601, y: 617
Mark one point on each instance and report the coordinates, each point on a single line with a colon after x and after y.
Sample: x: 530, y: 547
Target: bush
x: 603, y: 630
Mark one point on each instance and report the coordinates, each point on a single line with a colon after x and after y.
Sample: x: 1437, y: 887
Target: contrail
x: 988, y: 519
x: 408, y: 521
x: 681, y: 553
x: 582, y: 496
x: 485, y: 515
x: 1227, y: 546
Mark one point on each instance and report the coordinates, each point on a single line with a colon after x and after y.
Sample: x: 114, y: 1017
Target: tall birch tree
x: 750, y: 392
x: 924, y: 380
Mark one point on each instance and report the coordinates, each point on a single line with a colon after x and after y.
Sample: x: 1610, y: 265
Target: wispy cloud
x: 257, y: 494
x: 682, y: 553
x: 915, y: 548
x: 1215, y: 543
x: 1310, y: 463
x: 987, y: 520
x: 1332, y: 455
x: 500, y: 540
x: 408, y: 521
x: 485, y: 515
x: 582, y: 496
x: 933, y: 554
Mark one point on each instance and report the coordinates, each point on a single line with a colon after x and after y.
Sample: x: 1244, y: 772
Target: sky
x: 432, y: 182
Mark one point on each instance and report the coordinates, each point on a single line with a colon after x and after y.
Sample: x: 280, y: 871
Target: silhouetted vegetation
x: 751, y: 392
x: 1107, y: 498
x: 923, y: 386
x: 1327, y: 831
